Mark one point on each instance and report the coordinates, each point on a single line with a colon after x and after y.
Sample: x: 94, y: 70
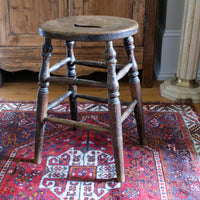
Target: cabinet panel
x: 21, y: 19
x: 133, y: 9
x: 25, y: 16
x: 75, y: 7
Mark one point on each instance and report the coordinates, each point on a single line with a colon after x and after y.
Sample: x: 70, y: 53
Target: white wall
x: 174, y: 14
x: 168, y: 34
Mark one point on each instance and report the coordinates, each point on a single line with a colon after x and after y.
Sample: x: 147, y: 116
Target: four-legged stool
x: 90, y: 29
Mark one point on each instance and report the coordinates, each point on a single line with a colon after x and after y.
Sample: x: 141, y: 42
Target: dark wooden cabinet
x: 20, y: 42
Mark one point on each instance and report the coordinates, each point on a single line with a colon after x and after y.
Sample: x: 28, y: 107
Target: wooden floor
x: 23, y: 86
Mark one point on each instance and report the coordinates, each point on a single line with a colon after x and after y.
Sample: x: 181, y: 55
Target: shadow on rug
x: 80, y: 165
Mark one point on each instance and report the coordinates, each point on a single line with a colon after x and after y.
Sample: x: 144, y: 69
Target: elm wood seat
x: 91, y: 29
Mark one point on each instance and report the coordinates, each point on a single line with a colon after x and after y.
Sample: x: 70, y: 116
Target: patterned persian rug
x: 80, y: 165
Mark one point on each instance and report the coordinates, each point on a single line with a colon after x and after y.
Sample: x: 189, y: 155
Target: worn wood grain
x: 128, y: 110
x: 114, y: 112
x: 149, y: 43
x: 1, y: 78
x: 89, y: 28
x: 58, y: 100
x: 135, y: 88
x: 13, y: 59
x: 42, y: 100
x: 77, y: 125
x: 20, y: 20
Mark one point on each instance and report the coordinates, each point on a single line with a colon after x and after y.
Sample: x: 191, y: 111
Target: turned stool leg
x: 135, y: 88
x: 71, y: 72
x: 114, y: 110
x: 1, y: 78
x: 42, y: 100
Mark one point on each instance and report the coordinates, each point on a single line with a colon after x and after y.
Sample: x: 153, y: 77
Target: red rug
x: 80, y: 166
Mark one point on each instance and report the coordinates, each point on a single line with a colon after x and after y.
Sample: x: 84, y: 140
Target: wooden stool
x: 90, y: 29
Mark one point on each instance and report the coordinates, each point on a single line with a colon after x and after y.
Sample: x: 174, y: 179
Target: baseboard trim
x: 168, y: 32
x: 172, y: 33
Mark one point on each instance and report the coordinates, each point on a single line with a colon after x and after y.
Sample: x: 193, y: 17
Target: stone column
x: 185, y: 87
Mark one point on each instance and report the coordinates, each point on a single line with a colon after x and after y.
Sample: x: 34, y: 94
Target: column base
x: 178, y: 93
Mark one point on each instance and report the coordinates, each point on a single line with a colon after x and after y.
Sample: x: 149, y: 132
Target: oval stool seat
x: 89, y: 28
